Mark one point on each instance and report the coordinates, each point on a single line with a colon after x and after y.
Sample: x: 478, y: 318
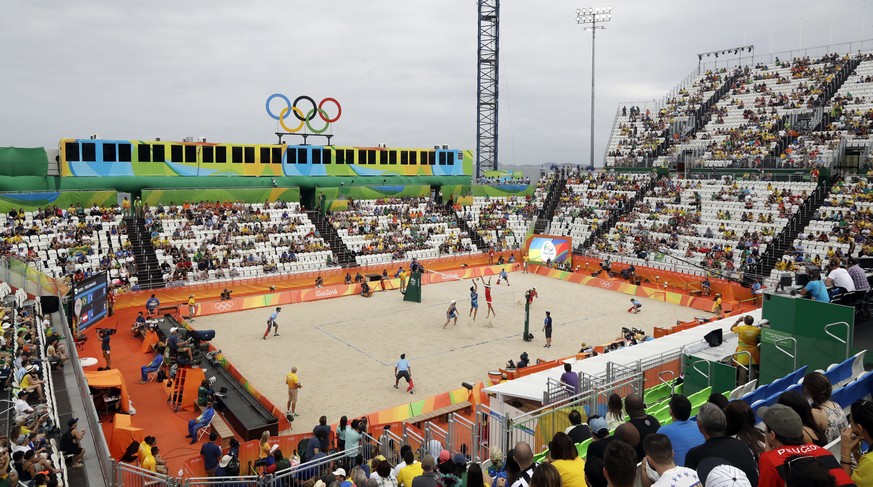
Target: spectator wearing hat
x: 30, y: 382
x: 659, y: 460
x: 221, y: 469
x: 594, y: 452
x: 683, y: 434
x: 340, y: 476
x: 578, y: 431
x: 71, y: 442
x: 179, y: 346
x: 412, y: 469
x: 717, y: 472
x: 428, y: 476
x: 784, y: 436
x: 712, y: 424
x: 646, y: 424
x: 211, y: 453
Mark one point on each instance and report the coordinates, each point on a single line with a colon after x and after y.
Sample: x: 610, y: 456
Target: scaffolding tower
x: 486, y: 89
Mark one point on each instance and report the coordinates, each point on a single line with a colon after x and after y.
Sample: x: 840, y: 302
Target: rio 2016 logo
x: 304, y: 117
x: 549, y: 251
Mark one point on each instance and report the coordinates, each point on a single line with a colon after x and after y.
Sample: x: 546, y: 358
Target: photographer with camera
x: 105, y: 334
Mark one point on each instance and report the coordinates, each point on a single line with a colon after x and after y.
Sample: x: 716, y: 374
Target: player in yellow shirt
x: 192, y: 308
x: 524, y: 263
x: 293, y: 383
x: 717, y: 309
x: 403, y: 275
x: 749, y: 335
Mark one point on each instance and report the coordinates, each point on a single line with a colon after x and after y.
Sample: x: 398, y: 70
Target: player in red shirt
x: 531, y: 295
x: 488, y: 297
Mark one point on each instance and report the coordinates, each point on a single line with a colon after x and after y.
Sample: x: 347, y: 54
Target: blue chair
x: 854, y: 391
x: 843, y: 372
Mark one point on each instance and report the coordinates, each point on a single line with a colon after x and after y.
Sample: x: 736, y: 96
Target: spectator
x: 411, y: 470
x: 427, y: 477
x: 646, y: 424
x: 740, y: 424
x: 526, y: 464
x: 859, y: 277
x: 860, y: 429
x: 577, y: 430
x: 211, y: 453
x: 620, y: 465
x: 839, y: 281
x: 614, y: 411
x: 660, y: 459
x: 397, y: 468
x: 281, y: 462
x: 828, y: 414
x: 594, y: 456
x: 715, y: 471
x: 353, y: 445
x: 682, y: 433
x: 71, y: 442
x: 221, y: 469
x: 718, y: 399
x: 784, y: 434
x: 340, y: 478
x: 547, y: 475
x: 815, y: 288
x: 322, y: 432
x: 712, y: 423
x: 564, y: 457
x: 812, y: 432
x: 384, y: 475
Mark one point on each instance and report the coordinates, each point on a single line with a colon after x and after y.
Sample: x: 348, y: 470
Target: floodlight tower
x: 589, y: 18
x: 486, y: 89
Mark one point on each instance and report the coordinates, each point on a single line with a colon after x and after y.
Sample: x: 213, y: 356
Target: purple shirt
x: 571, y: 380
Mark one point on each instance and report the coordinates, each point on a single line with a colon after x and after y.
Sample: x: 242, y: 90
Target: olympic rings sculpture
x: 304, y: 118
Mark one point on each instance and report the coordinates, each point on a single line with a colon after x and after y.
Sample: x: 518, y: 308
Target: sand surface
x: 345, y: 348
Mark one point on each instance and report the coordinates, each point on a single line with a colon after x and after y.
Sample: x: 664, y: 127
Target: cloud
x: 404, y: 71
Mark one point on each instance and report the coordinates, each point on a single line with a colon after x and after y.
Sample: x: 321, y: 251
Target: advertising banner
x: 547, y: 249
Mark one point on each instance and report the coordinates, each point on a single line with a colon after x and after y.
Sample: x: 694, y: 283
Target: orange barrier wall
x: 262, y: 285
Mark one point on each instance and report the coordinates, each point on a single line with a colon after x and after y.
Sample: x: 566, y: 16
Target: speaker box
x: 50, y: 304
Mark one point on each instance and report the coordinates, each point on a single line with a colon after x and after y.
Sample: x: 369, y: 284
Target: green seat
x: 582, y: 448
x: 654, y: 395
x: 699, y: 399
x: 663, y: 416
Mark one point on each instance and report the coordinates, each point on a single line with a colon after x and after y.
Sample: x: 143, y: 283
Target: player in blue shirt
x: 402, y: 369
x: 271, y: 323
x: 635, y: 306
x: 474, y: 300
x: 452, y: 313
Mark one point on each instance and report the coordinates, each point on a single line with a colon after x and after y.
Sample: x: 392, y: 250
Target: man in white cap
x: 452, y: 314
x: 340, y: 475
x: 179, y: 346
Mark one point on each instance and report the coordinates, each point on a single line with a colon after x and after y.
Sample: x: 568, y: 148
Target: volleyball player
x: 474, y: 300
x: 488, y: 297
x: 452, y: 313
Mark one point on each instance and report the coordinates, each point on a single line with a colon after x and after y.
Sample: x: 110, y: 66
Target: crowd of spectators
x: 720, y: 226
x: 398, y: 227
x: 511, y: 179
x: 71, y: 243
x: 502, y: 222
x: 223, y: 240
x: 851, y: 108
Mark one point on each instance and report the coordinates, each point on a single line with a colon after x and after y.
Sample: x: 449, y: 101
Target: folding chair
x: 204, y: 431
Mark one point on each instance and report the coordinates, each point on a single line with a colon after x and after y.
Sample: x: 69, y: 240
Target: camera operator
x: 105, y: 334
x: 179, y: 346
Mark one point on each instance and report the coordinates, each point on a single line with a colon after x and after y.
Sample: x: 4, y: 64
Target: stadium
x: 309, y: 306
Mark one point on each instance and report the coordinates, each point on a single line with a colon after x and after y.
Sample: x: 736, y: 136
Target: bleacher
x: 502, y: 222
x: 252, y: 240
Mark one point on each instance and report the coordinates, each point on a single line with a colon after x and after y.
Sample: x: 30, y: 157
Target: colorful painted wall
x: 61, y: 199
x: 246, y: 195
x: 504, y: 190
x: 337, y: 198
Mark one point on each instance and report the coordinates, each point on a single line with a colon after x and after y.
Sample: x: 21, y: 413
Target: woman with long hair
x: 476, y: 477
x: 860, y: 429
x: 341, y: 434
x: 614, y: 412
x: 546, y: 475
x: 741, y: 425
x: 565, y: 458
x: 812, y: 432
x: 828, y: 414
x: 264, y: 445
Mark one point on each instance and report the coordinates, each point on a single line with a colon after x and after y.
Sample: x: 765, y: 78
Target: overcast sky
x: 403, y: 70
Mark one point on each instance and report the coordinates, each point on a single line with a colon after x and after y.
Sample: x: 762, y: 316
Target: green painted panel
x: 504, y: 190
x: 21, y: 161
x: 63, y: 199
x: 246, y: 195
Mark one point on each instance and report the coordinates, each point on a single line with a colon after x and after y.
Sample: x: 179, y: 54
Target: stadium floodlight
x: 589, y: 18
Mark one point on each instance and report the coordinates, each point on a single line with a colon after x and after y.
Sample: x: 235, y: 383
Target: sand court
x: 345, y: 348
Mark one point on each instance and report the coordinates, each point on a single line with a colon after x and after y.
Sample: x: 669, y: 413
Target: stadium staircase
x: 616, y: 216
x: 544, y: 216
x: 148, y: 270
x: 344, y: 255
x: 785, y: 240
